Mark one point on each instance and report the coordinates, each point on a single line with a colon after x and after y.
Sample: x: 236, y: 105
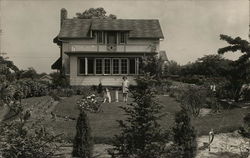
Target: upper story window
x: 100, y: 37
x: 122, y: 38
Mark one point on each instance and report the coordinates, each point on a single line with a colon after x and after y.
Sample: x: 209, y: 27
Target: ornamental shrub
x: 184, y: 134
x: 83, y: 142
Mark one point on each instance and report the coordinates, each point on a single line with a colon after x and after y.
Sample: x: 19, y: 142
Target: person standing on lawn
x: 125, y: 85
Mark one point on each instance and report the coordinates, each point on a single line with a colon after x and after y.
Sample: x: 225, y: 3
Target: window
x: 90, y: 65
x: 122, y: 39
x: 111, y: 37
x: 124, y: 66
x: 116, y: 66
x: 132, y: 65
x: 98, y: 66
x: 100, y: 37
x: 107, y: 66
x: 82, y: 66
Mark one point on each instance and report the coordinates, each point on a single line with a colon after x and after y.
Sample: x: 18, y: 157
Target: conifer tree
x: 184, y: 134
x: 141, y: 135
x: 83, y: 145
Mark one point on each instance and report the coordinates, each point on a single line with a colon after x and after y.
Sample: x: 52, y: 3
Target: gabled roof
x: 138, y: 28
x: 75, y: 28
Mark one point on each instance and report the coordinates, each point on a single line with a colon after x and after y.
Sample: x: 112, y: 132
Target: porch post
x: 116, y: 95
x: 86, y: 66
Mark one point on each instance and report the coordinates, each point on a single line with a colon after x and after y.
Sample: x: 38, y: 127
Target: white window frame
x: 96, y: 66
x: 121, y: 66
x: 103, y: 62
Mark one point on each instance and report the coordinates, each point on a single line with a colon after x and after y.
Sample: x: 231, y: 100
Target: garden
x: 172, y: 112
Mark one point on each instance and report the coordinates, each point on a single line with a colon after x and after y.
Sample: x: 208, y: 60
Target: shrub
x: 184, y: 134
x: 59, y: 80
x: 83, y: 143
x: 141, y: 135
x: 245, y: 129
x: 20, y: 140
x: 89, y: 103
x: 193, y: 99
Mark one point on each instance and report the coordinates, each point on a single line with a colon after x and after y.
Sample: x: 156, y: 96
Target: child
x: 125, y: 85
x: 106, y: 96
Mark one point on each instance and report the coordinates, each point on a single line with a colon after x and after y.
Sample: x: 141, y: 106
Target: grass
x: 104, y: 125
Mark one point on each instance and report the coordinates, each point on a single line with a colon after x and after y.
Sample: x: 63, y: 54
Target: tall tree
x: 239, y: 73
x: 95, y: 13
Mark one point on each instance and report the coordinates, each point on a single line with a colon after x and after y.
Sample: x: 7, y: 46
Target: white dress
x: 125, y: 85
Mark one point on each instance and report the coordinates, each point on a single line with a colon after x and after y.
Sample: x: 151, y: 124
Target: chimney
x: 63, y: 15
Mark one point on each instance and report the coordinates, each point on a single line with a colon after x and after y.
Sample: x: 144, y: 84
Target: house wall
x: 108, y: 80
x: 133, y: 45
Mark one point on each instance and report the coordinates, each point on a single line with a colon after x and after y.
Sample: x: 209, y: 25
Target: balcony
x: 113, y: 48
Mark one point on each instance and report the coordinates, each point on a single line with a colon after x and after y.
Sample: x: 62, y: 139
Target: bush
x: 184, y: 134
x: 89, y: 103
x: 193, y: 99
x: 245, y: 129
x: 83, y: 143
x: 20, y: 140
x: 59, y: 80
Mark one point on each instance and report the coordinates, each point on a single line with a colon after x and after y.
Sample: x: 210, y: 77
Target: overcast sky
x: 191, y: 27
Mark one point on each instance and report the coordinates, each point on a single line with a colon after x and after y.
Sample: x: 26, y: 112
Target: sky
x: 191, y: 28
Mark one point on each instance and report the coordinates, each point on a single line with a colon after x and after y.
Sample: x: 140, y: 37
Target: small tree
x: 152, y: 65
x: 193, y: 99
x: 141, y: 135
x: 184, y: 134
x: 83, y: 144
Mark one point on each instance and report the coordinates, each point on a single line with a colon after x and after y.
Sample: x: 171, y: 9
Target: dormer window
x: 100, y: 37
x: 122, y: 38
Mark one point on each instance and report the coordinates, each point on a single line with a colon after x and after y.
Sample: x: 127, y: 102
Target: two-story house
x: 94, y: 51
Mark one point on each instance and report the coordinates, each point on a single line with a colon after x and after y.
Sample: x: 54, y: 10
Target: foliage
x: 59, y: 80
x: 6, y: 69
x: 89, y: 103
x: 184, y: 134
x: 193, y: 99
x: 31, y: 88
x: 27, y: 74
x: 93, y: 13
x: 172, y: 68
x: 152, y: 65
x: 245, y: 129
x: 141, y: 135
x: 208, y: 65
x: 83, y: 143
x: 18, y: 140
x: 239, y: 72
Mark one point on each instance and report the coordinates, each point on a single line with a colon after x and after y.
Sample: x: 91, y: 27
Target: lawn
x: 104, y: 125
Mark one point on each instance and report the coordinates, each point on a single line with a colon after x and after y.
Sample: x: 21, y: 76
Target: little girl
x: 106, y: 96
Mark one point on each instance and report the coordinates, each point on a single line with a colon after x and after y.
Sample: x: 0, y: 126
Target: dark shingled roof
x: 79, y: 28
x: 75, y: 28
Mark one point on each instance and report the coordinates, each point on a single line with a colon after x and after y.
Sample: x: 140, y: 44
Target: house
x: 94, y: 51
x: 46, y: 78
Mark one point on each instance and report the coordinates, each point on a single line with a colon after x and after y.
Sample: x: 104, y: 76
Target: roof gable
x: 138, y: 28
